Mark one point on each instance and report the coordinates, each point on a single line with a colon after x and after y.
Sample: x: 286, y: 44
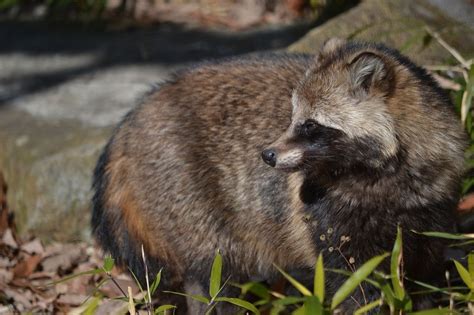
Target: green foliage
x: 461, y: 75
x: 392, y: 291
x: 319, y: 278
x: 393, y: 295
x: 215, y: 288
x: 216, y: 274
x: 355, y: 279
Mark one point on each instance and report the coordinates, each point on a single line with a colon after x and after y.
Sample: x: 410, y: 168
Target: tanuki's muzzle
x: 283, y: 154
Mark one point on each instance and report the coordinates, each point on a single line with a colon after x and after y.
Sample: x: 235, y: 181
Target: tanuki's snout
x: 284, y: 155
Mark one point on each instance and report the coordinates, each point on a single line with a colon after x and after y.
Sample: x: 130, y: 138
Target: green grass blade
x: 92, y: 306
x: 449, y: 236
x: 319, y: 279
x: 163, y: 308
x: 300, y: 311
x: 348, y: 274
x: 313, y: 306
x: 355, y: 279
x: 156, y: 282
x: 109, y: 263
x: 388, y: 293
x: 432, y: 288
x: 255, y: 288
x: 466, y: 102
x: 210, y: 309
x: 137, y: 282
x: 364, y: 309
x: 216, y: 274
x: 294, y: 282
x: 88, y: 272
x: 395, y: 266
x: 435, y: 311
x: 470, y: 264
x: 195, y: 297
x: 465, y: 276
x: 289, y: 300
x: 239, y: 302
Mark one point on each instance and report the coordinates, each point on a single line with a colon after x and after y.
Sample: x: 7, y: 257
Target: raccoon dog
x: 359, y: 140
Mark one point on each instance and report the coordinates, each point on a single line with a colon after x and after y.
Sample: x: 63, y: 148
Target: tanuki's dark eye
x: 310, y: 128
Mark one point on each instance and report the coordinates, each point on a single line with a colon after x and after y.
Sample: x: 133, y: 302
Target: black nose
x: 269, y: 157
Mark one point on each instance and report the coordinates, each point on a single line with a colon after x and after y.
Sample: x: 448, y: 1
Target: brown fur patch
x: 121, y: 196
x: 298, y: 230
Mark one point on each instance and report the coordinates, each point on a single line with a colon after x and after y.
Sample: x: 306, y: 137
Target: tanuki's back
x: 183, y: 176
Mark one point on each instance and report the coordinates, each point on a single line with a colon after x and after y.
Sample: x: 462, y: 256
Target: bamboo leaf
x: 109, y: 263
x: 294, y: 282
x: 435, y: 311
x: 137, y: 282
x: 470, y: 264
x: 276, y: 309
x: 364, y: 309
x: 163, y: 308
x: 313, y: 306
x: 92, y: 306
x: 289, y: 300
x: 388, y: 293
x: 155, y: 282
x: 355, y: 279
x: 216, y: 274
x: 239, y: 302
x: 465, y: 276
x: 319, y: 279
x: 450, y: 236
x: 300, y: 311
x: 466, y: 102
x: 195, y: 297
x: 395, y: 266
x: 210, y: 309
x: 88, y: 272
x: 256, y: 288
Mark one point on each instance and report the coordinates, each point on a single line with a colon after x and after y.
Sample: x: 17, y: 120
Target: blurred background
x: 70, y: 69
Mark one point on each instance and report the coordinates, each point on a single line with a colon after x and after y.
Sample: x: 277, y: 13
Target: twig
x: 353, y: 270
x: 116, y: 284
x: 131, y: 304
x: 444, y: 68
x: 446, y: 83
x: 149, y: 305
x: 451, y: 296
x: 451, y: 50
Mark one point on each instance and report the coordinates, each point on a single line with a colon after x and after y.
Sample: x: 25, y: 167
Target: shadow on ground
x: 167, y: 44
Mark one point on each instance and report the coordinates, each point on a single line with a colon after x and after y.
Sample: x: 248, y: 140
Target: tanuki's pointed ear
x: 332, y: 44
x: 329, y: 47
x: 368, y: 71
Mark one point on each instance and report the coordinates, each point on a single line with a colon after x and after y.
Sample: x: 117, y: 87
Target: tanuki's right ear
x: 369, y: 71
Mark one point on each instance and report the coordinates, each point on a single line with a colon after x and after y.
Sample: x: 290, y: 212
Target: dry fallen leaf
x: 64, y: 260
x: 112, y: 307
x: 27, y: 266
x: 9, y: 239
x: 21, y: 301
x: 71, y: 299
x: 33, y: 247
x: 5, y: 276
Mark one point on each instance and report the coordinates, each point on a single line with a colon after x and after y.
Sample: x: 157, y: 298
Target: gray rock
x: 400, y: 24
x: 61, y: 92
